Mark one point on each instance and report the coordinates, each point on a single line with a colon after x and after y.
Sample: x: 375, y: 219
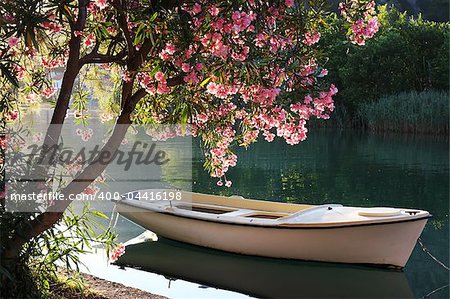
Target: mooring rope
x: 432, y: 256
x: 434, y: 292
x: 114, y: 217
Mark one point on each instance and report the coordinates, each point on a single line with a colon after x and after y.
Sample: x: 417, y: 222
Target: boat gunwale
x: 282, y: 225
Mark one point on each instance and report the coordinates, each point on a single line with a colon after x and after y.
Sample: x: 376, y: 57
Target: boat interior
x: 240, y: 210
x: 237, y: 206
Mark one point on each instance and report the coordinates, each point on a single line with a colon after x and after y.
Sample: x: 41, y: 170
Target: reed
x: 407, y: 112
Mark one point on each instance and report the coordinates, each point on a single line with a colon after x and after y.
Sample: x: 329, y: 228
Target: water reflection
x: 264, y: 277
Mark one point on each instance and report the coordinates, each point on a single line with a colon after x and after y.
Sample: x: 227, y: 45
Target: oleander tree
x: 236, y: 71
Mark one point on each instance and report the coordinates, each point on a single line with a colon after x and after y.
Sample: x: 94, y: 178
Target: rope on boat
x: 432, y: 256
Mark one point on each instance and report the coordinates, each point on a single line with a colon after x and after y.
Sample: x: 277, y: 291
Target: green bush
x: 425, y: 112
x: 31, y: 272
x: 407, y: 54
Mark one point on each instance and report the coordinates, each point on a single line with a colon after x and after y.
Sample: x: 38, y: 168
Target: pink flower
x: 32, y: 97
x: 191, y: 78
x: 49, y: 91
x: 362, y: 31
x: 160, y: 77
x: 117, y: 252
x: 102, y: 4
x: 9, y: 18
x: 51, y: 26
x: 214, y: 11
x: 13, y: 41
x: 268, y: 136
x: 186, y: 67
x: 12, y: 115
x: 311, y: 38
x: 228, y: 184
x: 289, y: 3
x: 219, y: 183
x: 199, y: 66
x: 196, y: 9
x: 91, y: 190
x: 127, y: 76
x: 89, y: 39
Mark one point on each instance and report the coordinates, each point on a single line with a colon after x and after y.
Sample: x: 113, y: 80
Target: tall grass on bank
x: 408, y: 112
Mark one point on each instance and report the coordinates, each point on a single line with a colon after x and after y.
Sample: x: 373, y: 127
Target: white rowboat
x: 329, y: 233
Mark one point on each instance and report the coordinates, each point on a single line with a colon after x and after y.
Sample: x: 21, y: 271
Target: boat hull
x: 387, y: 244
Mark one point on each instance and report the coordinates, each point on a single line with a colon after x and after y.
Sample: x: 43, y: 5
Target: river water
x: 330, y: 167
x: 346, y: 167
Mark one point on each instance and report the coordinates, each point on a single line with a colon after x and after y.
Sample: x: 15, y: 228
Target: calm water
x: 330, y: 167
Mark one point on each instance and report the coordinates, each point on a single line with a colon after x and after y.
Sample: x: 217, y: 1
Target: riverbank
x: 96, y: 288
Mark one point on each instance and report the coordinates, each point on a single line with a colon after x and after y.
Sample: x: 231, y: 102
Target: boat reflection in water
x: 264, y: 277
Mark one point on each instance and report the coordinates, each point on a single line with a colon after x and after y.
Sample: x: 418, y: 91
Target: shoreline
x: 98, y: 288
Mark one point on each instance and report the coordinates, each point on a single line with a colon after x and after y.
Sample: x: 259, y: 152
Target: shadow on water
x: 264, y: 277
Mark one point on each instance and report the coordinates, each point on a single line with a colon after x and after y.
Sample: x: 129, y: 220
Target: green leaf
x: 11, y: 78
x: 204, y: 82
x: 154, y: 16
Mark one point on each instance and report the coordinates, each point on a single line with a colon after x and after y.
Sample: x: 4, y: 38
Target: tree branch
x: 174, y: 81
x: 122, y: 21
x: 95, y: 57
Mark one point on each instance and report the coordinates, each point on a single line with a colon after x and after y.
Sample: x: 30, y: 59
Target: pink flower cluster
x: 51, y: 24
x: 166, y: 132
x: 361, y: 15
x: 154, y: 85
x: 221, y: 91
x: 101, y: 4
x: 93, y: 189
x: 311, y: 38
x: 105, y: 117
x: 117, y: 252
x: 53, y: 62
x: 12, y: 116
x: 47, y: 92
x: 13, y: 41
x: 363, y: 30
x: 220, y: 157
x: 85, y: 134
x: 261, y: 95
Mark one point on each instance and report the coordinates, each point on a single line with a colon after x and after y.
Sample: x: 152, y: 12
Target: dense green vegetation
x: 407, y: 54
x: 425, y: 112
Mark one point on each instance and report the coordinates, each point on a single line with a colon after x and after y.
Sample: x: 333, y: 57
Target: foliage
x: 425, y: 112
x: 59, y: 246
x: 32, y: 273
x: 234, y: 70
x: 407, y: 54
